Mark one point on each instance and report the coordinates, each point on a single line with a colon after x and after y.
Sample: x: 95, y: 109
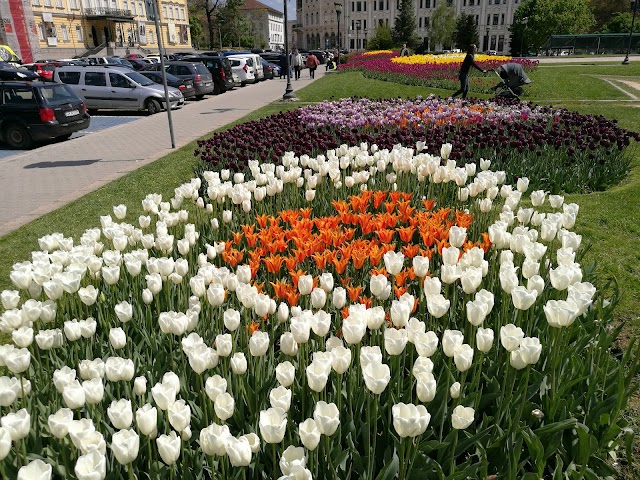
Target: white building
x: 317, y: 21
x: 266, y: 24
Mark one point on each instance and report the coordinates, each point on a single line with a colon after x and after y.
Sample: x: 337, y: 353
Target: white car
x: 243, y: 67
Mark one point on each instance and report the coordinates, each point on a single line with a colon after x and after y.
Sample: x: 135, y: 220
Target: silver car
x: 117, y: 88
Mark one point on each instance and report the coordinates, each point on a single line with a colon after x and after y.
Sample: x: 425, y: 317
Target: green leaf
x: 390, y: 470
x: 555, y: 427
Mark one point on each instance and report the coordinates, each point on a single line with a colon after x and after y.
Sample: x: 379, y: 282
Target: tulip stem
x: 130, y: 471
x: 453, y: 452
x: 273, y: 459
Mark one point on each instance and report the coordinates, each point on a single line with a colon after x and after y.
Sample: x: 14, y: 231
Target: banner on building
x: 184, y: 34
x: 171, y: 28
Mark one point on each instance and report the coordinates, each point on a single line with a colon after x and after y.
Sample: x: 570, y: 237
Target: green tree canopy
x: 382, y: 39
x: 621, y: 23
x: 443, y: 23
x: 466, y: 32
x: 605, y: 10
x: 404, y: 29
x: 546, y: 18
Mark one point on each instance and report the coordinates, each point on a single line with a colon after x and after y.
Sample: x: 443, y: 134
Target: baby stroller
x: 512, y: 79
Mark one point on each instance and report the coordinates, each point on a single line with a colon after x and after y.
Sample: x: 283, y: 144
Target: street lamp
x: 486, y: 42
x: 338, y: 7
x: 524, y: 21
x: 288, y: 91
x: 633, y: 21
x: 358, y: 26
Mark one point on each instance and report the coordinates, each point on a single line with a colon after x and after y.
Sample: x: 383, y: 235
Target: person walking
x: 463, y: 75
x: 312, y: 64
x: 405, y: 51
x: 297, y: 63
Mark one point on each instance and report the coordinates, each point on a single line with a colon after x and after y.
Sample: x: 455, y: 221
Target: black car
x: 220, y: 68
x: 138, y: 65
x: 269, y: 69
x: 35, y: 111
x: 185, y: 85
x: 9, y: 72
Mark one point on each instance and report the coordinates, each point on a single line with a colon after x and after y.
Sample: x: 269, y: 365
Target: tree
x: 546, y: 18
x: 195, y: 27
x: 382, y: 39
x: 443, y: 23
x: 466, y: 32
x: 605, y: 10
x: 404, y: 29
x: 621, y: 23
x: 208, y: 9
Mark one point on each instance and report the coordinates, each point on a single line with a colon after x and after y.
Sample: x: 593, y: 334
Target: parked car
x: 236, y: 80
x: 271, y: 70
x: 117, y: 88
x: 138, y: 64
x: 111, y: 60
x: 320, y: 55
x: 133, y: 56
x: 196, y: 71
x: 35, y: 111
x: 243, y: 67
x: 185, y: 85
x: 220, y: 68
x: 257, y: 65
x: 11, y: 72
x: 43, y: 70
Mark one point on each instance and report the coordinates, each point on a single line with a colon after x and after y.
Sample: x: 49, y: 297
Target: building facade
x: 266, y: 25
x: 58, y: 29
x: 317, y: 24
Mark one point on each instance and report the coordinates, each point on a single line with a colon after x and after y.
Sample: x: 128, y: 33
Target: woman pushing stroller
x: 463, y: 75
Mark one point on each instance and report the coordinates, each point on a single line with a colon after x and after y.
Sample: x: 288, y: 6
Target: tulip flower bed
x: 561, y: 151
x: 437, y: 71
x: 355, y: 314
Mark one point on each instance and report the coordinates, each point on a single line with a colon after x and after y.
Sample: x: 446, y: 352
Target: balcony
x: 108, y: 13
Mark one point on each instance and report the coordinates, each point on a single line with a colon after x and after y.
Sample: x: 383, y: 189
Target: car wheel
x: 17, y: 137
x: 153, y: 106
x: 217, y: 90
x: 66, y: 136
x: 199, y: 97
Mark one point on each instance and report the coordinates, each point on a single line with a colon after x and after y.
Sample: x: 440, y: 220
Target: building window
x: 133, y: 9
x: 471, y: 3
x: 151, y: 40
x: 65, y: 33
x: 495, y: 20
x: 47, y: 3
x: 502, y: 20
x: 125, y: 5
x: 501, y: 43
x: 358, y: 6
x: 41, y: 31
x: 426, y: 22
x: 35, y: 2
x: 59, y: 4
x: 164, y: 11
x: 79, y: 35
x: 141, y: 9
x: 74, y: 4
x: 420, y: 22
x: 493, y: 42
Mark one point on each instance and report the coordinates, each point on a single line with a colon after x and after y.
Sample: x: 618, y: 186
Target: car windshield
x: 140, y: 79
x: 58, y: 94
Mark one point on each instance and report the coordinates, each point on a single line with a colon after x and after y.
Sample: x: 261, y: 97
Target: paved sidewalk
x: 36, y: 182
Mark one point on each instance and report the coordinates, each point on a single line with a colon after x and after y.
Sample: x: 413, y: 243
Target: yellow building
x: 76, y: 28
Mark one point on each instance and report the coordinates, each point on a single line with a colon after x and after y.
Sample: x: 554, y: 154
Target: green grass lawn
x: 609, y: 221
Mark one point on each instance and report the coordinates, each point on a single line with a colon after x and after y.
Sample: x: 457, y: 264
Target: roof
x: 256, y: 5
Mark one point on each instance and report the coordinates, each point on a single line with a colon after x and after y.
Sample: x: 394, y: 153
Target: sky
x: 278, y: 5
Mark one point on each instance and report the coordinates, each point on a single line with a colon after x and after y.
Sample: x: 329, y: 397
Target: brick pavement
x: 39, y: 181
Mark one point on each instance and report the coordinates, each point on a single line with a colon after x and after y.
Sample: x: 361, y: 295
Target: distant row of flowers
x: 559, y: 149
x: 437, y: 71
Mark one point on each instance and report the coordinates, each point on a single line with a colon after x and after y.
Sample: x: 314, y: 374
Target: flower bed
x: 437, y: 71
x: 291, y: 323
x: 561, y: 151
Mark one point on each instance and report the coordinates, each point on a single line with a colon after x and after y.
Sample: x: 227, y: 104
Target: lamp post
x: 338, y: 7
x: 288, y: 91
x: 524, y: 21
x: 486, y: 42
x: 633, y: 21
x: 358, y: 25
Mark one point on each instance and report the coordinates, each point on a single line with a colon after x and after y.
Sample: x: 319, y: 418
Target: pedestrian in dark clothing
x: 463, y: 75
